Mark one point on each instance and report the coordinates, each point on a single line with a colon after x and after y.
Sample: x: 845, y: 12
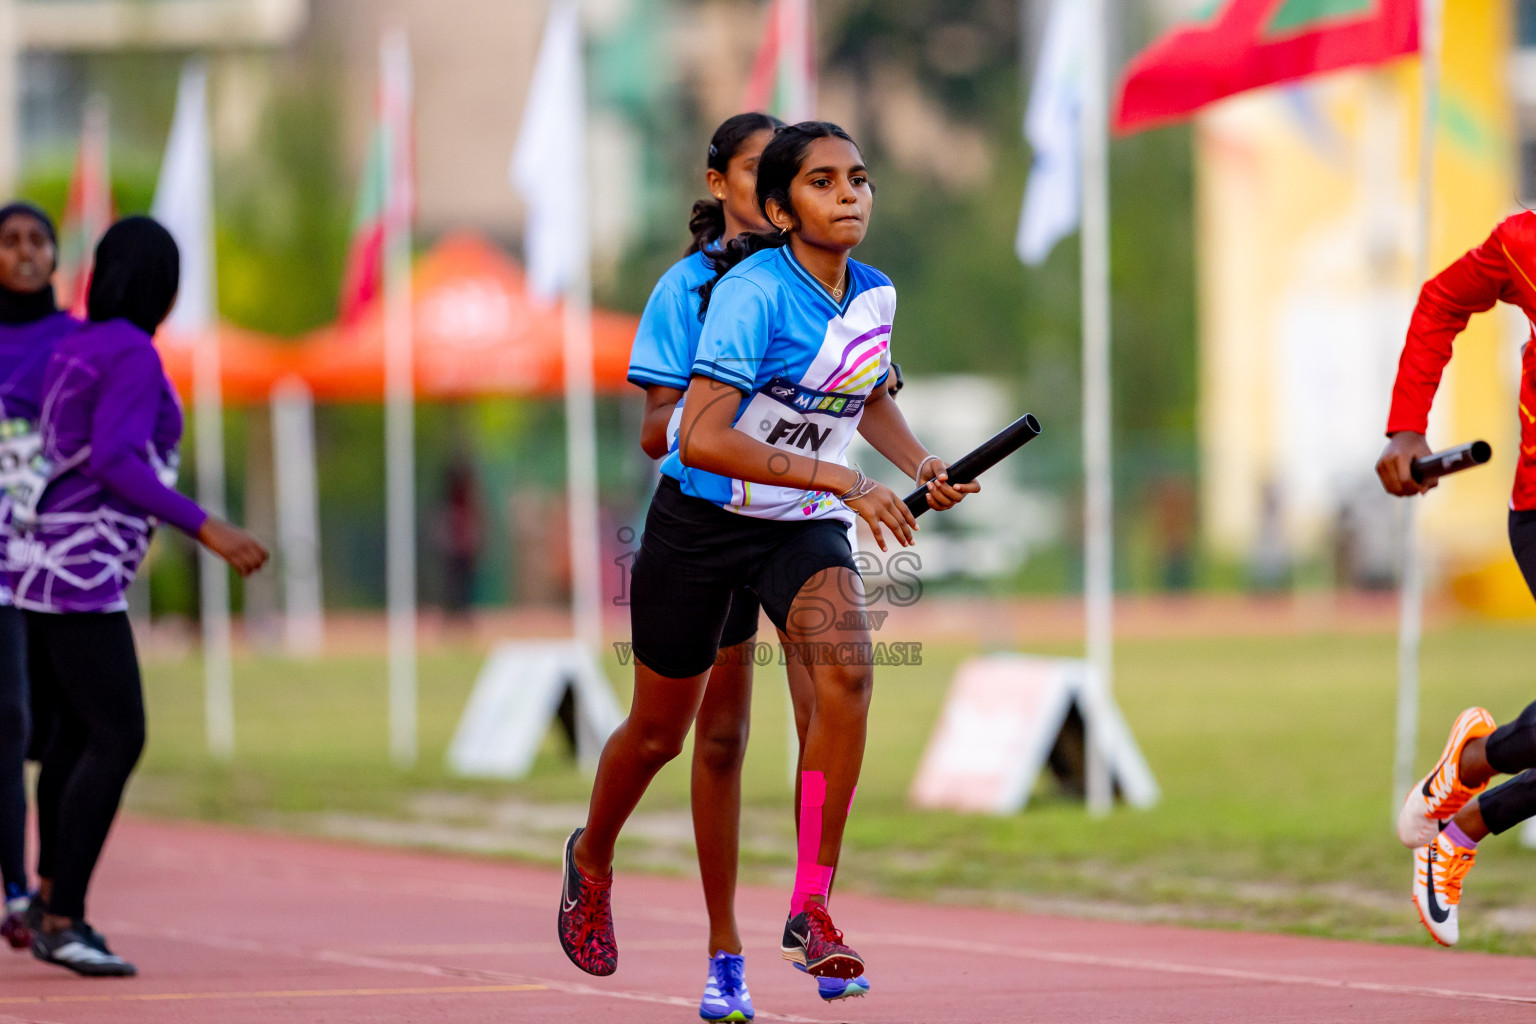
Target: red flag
x: 386, y: 195
x: 88, y: 210
x: 363, y: 277
x: 1245, y: 44
x: 783, y: 79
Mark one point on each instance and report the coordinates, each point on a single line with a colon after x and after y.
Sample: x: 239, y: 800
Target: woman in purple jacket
x: 111, y: 424
x: 30, y: 325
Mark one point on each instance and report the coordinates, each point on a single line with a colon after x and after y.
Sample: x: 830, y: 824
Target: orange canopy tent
x: 476, y: 333
x: 249, y: 363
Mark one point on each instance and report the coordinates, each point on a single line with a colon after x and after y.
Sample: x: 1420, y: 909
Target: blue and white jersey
x: 668, y: 335
x: 806, y: 364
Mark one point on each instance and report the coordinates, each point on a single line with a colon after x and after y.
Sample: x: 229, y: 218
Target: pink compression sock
x: 811, y: 878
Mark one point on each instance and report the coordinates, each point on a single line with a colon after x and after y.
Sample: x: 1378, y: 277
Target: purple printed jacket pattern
x: 111, y: 425
x: 24, y: 353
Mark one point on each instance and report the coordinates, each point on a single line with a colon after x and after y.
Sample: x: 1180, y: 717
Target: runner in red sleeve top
x: 1502, y: 269
x: 1451, y: 809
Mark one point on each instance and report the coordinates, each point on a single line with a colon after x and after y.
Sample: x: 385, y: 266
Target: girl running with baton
x: 794, y: 354
x: 661, y: 362
x: 111, y: 424
x: 30, y: 325
x: 1451, y: 809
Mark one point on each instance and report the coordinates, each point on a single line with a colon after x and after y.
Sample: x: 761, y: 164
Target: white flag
x: 184, y: 203
x: 549, y: 161
x: 1052, y: 124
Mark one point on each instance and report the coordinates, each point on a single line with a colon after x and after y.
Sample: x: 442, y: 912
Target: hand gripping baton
x: 1452, y: 460
x: 986, y: 455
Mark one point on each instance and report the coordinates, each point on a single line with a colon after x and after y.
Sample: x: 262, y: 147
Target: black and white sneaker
x: 35, y: 911
x: 81, y: 949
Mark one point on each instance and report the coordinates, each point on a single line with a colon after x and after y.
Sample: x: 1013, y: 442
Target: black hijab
x: 18, y: 308
x: 138, y: 268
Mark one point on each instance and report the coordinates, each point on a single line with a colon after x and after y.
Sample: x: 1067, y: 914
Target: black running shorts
x: 741, y: 620
x: 694, y: 559
x: 1522, y: 540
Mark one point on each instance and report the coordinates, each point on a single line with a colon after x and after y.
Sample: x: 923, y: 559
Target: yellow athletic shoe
x: 1440, y: 794
x: 1438, y: 870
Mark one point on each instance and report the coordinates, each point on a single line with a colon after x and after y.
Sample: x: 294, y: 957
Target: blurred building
x: 1307, y: 227
x: 1522, y: 83
x: 472, y: 64
x: 42, y: 42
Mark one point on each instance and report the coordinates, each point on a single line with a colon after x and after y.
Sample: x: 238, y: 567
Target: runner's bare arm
x: 660, y: 400
x: 885, y: 427
x: 708, y: 440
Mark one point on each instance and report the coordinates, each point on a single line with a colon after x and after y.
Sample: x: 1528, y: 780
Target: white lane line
x: 380, y: 882
x: 1170, y: 967
x: 285, y: 994
x: 6, y: 1018
x: 526, y: 948
x: 345, y: 959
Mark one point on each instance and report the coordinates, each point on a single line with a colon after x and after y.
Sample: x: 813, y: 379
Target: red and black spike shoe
x: 813, y: 943
x: 586, y: 917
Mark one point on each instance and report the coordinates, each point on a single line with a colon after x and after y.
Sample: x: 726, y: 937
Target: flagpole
x: 208, y: 397
x: 581, y: 460
x: 399, y: 405
x: 549, y: 170
x: 1098, y: 509
x: 298, y: 516
x: 183, y: 202
x: 10, y: 95
x: 208, y: 410
x: 218, y: 654
x: 580, y: 424
x: 1411, y: 613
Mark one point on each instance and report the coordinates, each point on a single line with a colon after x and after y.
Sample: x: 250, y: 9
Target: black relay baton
x: 986, y: 455
x: 1453, y: 460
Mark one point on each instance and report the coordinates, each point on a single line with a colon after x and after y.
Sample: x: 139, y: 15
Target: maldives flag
x: 783, y: 81
x: 386, y: 195
x: 88, y: 209
x: 363, y: 277
x: 1238, y: 45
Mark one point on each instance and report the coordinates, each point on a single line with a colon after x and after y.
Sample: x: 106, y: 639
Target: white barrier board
x: 1000, y: 722
x: 515, y: 699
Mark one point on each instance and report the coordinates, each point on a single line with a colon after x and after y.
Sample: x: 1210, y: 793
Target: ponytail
x: 776, y: 170
x: 734, y: 251
x: 706, y: 224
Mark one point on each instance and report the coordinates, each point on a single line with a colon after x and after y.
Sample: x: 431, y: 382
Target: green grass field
x: 1274, y: 755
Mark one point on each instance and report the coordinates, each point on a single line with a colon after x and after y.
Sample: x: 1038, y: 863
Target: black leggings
x: 86, y: 667
x: 1512, y: 746
x: 1511, y: 750
x: 15, y: 731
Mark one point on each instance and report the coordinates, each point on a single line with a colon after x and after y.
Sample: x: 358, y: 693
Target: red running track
x: 234, y: 927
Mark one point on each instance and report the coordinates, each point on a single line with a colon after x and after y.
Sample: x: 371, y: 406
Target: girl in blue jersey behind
x: 661, y: 363
x: 793, y: 357
x: 30, y: 325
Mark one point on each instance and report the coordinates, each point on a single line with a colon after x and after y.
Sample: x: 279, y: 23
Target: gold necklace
x: 836, y: 290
